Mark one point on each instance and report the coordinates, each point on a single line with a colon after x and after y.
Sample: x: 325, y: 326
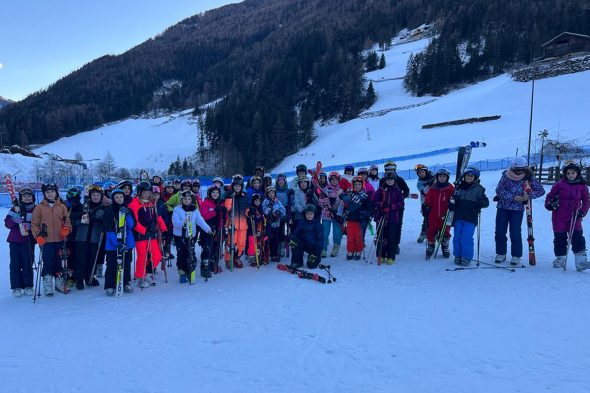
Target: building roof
x: 562, y: 34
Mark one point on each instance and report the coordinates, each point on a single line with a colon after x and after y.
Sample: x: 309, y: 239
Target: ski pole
x: 96, y: 256
x: 478, y: 235
x: 569, y: 235
x: 37, y: 289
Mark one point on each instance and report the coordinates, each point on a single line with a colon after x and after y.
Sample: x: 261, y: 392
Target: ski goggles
x: 94, y: 187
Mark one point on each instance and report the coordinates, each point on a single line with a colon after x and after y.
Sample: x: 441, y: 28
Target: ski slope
x: 410, y: 327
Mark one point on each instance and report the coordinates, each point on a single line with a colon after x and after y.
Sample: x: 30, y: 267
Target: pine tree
x: 371, y: 97
x: 382, y: 61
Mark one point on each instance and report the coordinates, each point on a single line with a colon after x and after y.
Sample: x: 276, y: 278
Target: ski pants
x: 463, y: 239
x: 297, y: 255
x: 389, y: 241
x: 509, y: 219
x: 274, y: 236
x: 560, y: 243
x: 434, y: 226
x: 239, y: 241
x: 21, y: 265
x: 86, y: 253
x: 51, y: 259
x: 424, y: 211
x: 144, y: 247
x: 354, y: 237
x: 110, y: 276
x: 336, y: 232
x: 183, y: 256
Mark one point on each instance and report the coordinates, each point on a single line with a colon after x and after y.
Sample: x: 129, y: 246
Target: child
x: 303, y: 195
x: 21, y: 243
x: 147, y: 225
x: 468, y: 202
x: 114, y: 246
x: 215, y: 214
x: 357, y: 212
x: 186, y: 217
x: 332, y: 211
x: 51, y: 226
x: 307, y: 237
x: 425, y: 180
x: 568, y: 199
x: 275, y: 212
x: 284, y: 194
x: 388, y: 201
x: 437, y: 203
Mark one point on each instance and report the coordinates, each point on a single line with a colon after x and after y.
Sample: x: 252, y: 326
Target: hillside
x: 4, y: 102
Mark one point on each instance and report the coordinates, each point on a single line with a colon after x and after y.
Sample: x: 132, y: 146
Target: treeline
x: 485, y: 38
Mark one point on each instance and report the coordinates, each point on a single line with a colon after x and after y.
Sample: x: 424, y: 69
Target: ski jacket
x: 357, y: 206
x: 437, y: 199
x: 345, y: 182
x: 424, y: 184
x: 238, y: 204
x: 283, y: 195
x: 179, y: 220
x: 174, y: 201
x: 387, y: 203
x: 252, y: 191
x: 374, y: 181
x: 147, y: 220
x: 572, y: 196
x: 400, y: 183
x: 211, y: 210
x: 300, y: 199
x: 274, y: 211
x: 256, y: 219
x: 54, y: 216
x: 331, y: 203
x: 469, y: 200
x: 88, y: 232
x: 110, y: 222
x: 510, y: 186
x: 17, y: 220
x: 310, y: 233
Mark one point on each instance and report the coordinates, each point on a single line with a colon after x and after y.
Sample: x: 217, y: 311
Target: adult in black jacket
x: 388, y: 167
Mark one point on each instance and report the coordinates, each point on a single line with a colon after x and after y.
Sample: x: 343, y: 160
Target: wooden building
x: 565, y: 44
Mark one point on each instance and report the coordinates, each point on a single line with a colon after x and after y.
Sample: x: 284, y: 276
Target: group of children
x: 266, y: 222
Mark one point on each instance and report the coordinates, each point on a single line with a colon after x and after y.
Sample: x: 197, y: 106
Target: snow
x: 409, y: 327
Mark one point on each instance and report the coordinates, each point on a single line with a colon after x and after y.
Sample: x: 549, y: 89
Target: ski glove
x: 64, y: 232
x: 40, y: 241
x: 553, y: 204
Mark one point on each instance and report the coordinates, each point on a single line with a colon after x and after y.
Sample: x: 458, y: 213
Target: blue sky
x: 44, y: 40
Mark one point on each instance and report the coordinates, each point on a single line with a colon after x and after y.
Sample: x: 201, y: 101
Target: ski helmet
x: 155, y: 189
x: 375, y: 167
x: 72, y: 195
x: 185, y: 183
x: 301, y: 168
x: 309, y: 208
x: 168, y: 183
x: 259, y: 168
x: 267, y: 176
x: 125, y: 183
x: 25, y: 191
x: 323, y: 174
x: 195, y: 183
x: 211, y: 189
x: 95, y: 188
x: 219, y: 180
x: 303, y: 179
x: 421, y: 167
x: 117, y: 191
x: 255, y: 178
x: 471, y: 170
x: 142, y: 186
x: 334, y: 174
x: 357, y: 179
x: 571, y: 165
x: 443, y: 171
x: 271, y: 188
x: 154, y: 179
x: 237, y: 178
x: 518, y: 163
x: 50, y: 186
x: 188, y: 194
x: 389, y: 166
x: 362, y: 170
x: 348, y: 168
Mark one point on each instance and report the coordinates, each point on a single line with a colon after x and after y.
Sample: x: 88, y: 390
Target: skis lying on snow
x: 301, y: 273
x: 488, y: 265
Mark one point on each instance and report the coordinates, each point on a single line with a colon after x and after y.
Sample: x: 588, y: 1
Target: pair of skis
x: 302, y: 273
x: 121, y: 234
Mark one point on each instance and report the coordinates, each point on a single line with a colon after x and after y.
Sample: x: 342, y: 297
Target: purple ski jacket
x: 508, y: 188
x: 571, y: 197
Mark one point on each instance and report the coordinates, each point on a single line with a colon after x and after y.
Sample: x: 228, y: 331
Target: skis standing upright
x: 121, y: 233
x: 529, y: 224
x: 232, y: 245
x: 189, y: 235
x: 463, y: 156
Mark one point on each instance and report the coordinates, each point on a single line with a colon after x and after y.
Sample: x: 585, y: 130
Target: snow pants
x: 86, y: 253
x: 560, y: 243
x: 110, y: 276
x: 274, y: 236
x: 183, y: 254
x: 143, y: 248
x: 354, y: 237
x: 297, y: 255
x: 509, y: 219
x: 463, y: 239
x: 389, y: 241
x: 21, y: 265
x: 51, y: 259
x: 336, y: 232
x: 434, y: 226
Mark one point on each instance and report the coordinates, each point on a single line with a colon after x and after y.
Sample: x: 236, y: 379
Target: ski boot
x: 110, y: 292
x: 465, y: 262
x: 445, y: 248
x: 17, y: 292
x: 357, y: 256
x: 128, y: 288
x: 99, y: 272
x: 61, y: 285
x: 282, y: 249
x: 182, y: 277
x: 252, y: 261
x: 390, y: 261
x: 429, y: 250
x: 79, y: 285
x: 152, y: 280
x: 142, y: 283
x: 421, y: 238
x: 581, y: 261
x: 324, y: 253
x: 93, y: 282
x: 349, y: 256
x: 397, y: 250
x: 48, y: 287
x: 500, y: 258
x: 205, y: 273
x: 515, y: 261
x: 238, y: 263
x: 29, y: 291
x: 559, y: 262
x: 457, y: 261
x: 335, y: 250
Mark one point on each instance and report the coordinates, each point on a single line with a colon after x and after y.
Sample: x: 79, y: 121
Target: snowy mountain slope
x: 4, y: 101
x: 410, y: 327
x: 559, y: 107
x: 134, y: 143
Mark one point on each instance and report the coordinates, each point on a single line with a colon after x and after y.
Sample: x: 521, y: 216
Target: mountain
x: 5, y: 102
x: 278, y: 66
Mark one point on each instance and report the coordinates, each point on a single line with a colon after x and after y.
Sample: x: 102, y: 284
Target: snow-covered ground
x: 409, y: 327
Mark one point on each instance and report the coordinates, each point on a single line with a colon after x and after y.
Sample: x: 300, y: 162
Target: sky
x: 44, y: 40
